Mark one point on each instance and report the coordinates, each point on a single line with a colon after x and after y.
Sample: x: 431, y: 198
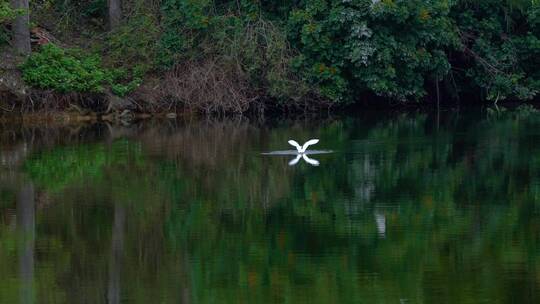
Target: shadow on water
x: 409, y: 207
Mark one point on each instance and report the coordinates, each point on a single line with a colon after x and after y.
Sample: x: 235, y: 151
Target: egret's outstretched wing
x: 295, y: 160
x: 310, y: 161
x: 295, y: 144
x: 309, y: 143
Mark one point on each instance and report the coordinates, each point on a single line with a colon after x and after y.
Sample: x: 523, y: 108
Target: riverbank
x: 175, y: 56
x: 156, y: 97
x: 203, y: 90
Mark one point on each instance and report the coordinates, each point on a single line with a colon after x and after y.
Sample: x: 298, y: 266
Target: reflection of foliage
x: 8, y: 249
x: 460, y: 198
x: 438, y: 192
x: 63, y: 166
x: 523, y: 111
x: 56, y: 169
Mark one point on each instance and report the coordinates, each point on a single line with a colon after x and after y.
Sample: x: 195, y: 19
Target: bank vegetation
x: 219, y: 56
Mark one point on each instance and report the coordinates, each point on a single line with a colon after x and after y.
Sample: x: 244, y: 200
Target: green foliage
x: 93, y: 8
x: 501, y: 47
x: 68, y: 18
x: 64, y: 70
x: 238, y: 37
x: 71, y: 70
x: 396, y: 49
x: 133, y: 43
x: 125, y: 82
x: 385, y: 47
x: 6, y: 14
x: 334, y: 49
x: 131, y: 50
x: 261, y: 49
x: 183, y: 23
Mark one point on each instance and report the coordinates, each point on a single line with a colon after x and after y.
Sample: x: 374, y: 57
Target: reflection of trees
x: 210, y: 220
x: 117, y: 250
x: 26, y: 225
x: 443, y: 194
x: 210, y: 157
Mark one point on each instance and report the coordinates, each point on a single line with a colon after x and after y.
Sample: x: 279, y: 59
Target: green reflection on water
x: 413, y: 208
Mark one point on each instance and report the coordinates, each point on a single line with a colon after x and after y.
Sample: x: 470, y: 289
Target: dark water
x: 410, y: 208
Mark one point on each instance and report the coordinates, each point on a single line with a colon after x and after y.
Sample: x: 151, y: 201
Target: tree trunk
x: 115, y: 13
x: 21, y: 28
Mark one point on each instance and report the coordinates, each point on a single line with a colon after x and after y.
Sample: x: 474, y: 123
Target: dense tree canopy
x: 333, y: 50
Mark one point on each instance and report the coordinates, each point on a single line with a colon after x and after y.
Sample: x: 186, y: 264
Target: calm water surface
x: 410, y: 208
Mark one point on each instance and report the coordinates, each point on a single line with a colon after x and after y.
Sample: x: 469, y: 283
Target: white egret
x: 302, y: 149
x: 301, y: 152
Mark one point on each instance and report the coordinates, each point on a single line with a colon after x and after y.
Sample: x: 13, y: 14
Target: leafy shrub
x: 396, y: 48
x: 184, y: 26
x: 64, y: 70
x: 261, y: 50
x: 121, y: 87
x: 131, y: 52
x: 133, y: 43
x: 6, y: 14
x: 94, y: 8
x: 69, y: 18
x: 234, y: 40
x: 500, y: 47
x: 390, y: 48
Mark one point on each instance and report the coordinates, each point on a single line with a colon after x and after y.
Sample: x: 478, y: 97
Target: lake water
x: 409, y: 208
